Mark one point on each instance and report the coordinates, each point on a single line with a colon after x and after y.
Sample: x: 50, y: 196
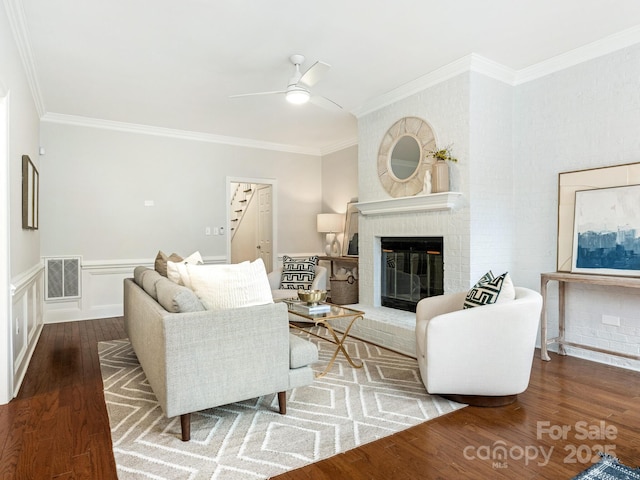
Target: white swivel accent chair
x: 480, y: 356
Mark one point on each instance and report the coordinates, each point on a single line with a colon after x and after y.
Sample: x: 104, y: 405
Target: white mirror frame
x: 422, y: 132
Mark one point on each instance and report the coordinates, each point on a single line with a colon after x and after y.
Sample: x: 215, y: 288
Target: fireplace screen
x: 412, y: 269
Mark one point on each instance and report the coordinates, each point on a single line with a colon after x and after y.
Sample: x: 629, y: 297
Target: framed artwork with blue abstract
x: 606, y: 234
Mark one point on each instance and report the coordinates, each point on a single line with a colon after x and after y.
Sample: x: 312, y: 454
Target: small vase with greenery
x: 443, y: 154
x: 440, y: 169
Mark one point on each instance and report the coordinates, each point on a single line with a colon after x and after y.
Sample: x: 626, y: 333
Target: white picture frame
x: 606, y: 233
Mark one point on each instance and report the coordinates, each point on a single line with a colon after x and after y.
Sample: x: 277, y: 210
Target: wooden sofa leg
x: 282, y: 401
x: 185, y: 423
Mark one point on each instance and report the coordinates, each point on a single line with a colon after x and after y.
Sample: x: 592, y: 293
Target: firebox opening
x: 412, y: 269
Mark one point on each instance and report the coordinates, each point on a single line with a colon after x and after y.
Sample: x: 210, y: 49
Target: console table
x: 563, y: 278
x: 350, y: 262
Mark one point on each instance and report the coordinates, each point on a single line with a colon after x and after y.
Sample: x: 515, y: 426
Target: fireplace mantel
x: 417, y: 203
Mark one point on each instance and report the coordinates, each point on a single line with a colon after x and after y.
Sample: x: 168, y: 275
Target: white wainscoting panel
x: 26, y: 320
x: 102, y: 290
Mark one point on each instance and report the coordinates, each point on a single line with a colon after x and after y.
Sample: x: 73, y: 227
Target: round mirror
x: 402, y: 163
x: 405, y: 157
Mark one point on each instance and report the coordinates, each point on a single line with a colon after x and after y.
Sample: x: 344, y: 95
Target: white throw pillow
x: 230, y: 286
x: 490, y: 289
x: 177, y: 271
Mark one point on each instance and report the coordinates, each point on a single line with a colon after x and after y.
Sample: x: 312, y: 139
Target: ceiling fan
x: 298, y: 89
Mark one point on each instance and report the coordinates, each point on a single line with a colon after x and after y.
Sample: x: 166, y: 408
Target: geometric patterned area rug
x: 609, y: 468
x: 251, y: 440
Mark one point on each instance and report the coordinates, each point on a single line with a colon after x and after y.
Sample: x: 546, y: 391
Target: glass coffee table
x: 325, y: 319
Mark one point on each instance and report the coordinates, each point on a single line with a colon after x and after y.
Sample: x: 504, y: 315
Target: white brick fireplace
x: 471, y: 113
x: 446, y: 218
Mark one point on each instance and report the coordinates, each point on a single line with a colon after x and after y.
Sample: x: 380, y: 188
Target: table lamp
x: 331, y: 224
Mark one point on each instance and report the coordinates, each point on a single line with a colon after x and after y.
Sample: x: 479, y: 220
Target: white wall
x: 94, y: 183
x: 491, y: 167
x: 20, y: 317
x: 582, y: 117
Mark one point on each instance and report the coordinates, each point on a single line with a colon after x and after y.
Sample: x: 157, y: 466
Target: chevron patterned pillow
x: 488, y: 290
x: 298, y: 273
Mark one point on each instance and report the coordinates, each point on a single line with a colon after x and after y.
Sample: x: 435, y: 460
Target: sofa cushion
x: 298, y: 273
x: 301, y: 352
x: 149, y: 280
x: 489, y: 290
x: 137, y: 274
x: 230, y: 286
x: 160, y: 264
x: 177, y: 271
x: 176, y: 298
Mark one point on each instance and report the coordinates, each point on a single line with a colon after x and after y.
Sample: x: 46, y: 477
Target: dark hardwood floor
x: 58, y: 428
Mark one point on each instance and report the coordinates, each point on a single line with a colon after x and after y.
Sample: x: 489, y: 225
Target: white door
x: 265, y: 222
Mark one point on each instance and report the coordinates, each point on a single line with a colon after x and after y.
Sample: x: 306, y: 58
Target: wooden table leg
x: 543, y: 321
x: 561, y: 318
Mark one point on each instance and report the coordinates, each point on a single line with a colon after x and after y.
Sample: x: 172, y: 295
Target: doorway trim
x: 274, y: 212
x: 6, y: 344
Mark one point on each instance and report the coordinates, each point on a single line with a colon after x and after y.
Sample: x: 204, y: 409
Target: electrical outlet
x: 207, y: 231
x: 216, y: 231
x: 611, y: 320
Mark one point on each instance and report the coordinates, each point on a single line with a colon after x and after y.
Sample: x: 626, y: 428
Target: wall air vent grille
x: 62, y: 277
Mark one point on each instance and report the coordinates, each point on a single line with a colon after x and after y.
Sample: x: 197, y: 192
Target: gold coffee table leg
x: 339, y: 341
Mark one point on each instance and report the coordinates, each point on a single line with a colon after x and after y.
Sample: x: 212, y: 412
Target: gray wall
x: 24, y: 131
x: 20, y: 314
x: 95, y: 183
x: 339, y: 179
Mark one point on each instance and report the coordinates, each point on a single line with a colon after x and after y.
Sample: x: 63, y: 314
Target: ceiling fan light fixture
x: 297, y: 96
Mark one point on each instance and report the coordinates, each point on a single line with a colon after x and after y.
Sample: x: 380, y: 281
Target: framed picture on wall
x: 606, y: 234
x: 581, y: 180
x: 350, y: 242
x: 30, y: 193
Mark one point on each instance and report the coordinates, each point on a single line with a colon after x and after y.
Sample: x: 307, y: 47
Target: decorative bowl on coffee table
x: 312, y: 297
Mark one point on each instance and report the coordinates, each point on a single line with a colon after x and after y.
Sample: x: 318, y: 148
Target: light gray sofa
x: 196, y: 359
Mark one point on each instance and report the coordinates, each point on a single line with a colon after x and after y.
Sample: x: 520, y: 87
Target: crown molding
x: 596, y: 49
x: 430, y: 79
x: 15, y: 14
x: 489, y: 68
x: 77, y: 120
x: 469, y: 63
x: 336, y: 147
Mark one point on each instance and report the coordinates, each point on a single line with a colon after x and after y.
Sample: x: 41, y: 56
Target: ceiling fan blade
x: 257, y: 93
x: 325, y: 102
x: 315, y: 73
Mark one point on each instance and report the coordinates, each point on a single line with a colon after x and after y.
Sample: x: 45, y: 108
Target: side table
x: 563, y: 278
x: 325, y: 320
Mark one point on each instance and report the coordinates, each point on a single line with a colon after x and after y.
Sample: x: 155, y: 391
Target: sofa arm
x: 275, y: 277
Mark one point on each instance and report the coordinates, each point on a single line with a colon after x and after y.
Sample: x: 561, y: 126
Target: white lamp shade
x: 330, y: 222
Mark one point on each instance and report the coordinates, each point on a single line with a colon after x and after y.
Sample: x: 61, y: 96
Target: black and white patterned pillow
x: 485, y: 291
x: 298, y: 273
